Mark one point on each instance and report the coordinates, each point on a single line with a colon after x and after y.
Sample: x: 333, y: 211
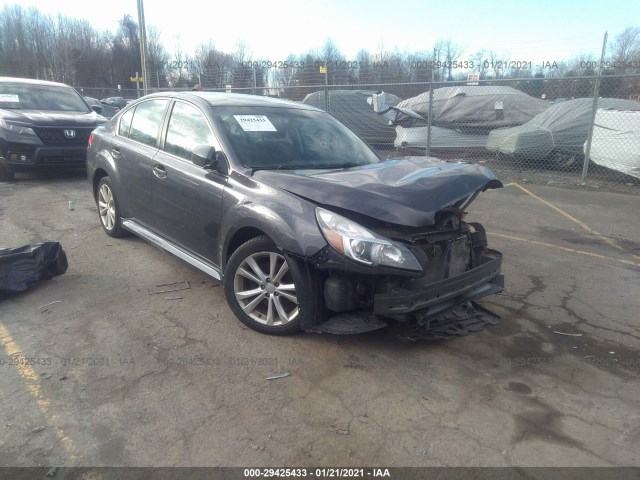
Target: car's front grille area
x: 446, y: 259
x: 55, y: 136
x: 76, y: 158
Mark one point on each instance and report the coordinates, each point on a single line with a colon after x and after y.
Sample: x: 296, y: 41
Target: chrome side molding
x: 148, y: 235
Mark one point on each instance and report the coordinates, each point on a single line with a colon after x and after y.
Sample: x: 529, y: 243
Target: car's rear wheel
x: 108, y: 209
x: 267, y: 291
x: 6, y: 175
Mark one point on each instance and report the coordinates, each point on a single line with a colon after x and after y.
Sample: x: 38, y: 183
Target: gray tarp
x: 616, y: 141
x: 563, y: 127
x: 476, y: 107
x: 352, y: 109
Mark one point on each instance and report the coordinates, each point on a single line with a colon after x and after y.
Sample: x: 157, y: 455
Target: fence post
x: 428, y: 152
x: 326, y: 87
x: 596, y: 93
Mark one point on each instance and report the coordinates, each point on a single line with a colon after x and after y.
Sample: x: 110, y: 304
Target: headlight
x: 362, y: 245
x: 16, y: 129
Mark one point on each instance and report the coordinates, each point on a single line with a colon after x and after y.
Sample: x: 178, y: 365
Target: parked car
x: 106, y: 111
x: 42, y: 125
x: 115, y: 102
x: 555, y: 136
x: 303, y: 223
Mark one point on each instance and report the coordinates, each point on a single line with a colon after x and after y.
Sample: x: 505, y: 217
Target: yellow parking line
x: 583, y: 225
x: 32, y: 382
x: 566, y: 249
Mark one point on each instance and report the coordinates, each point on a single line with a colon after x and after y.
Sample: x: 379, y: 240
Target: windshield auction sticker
x: 10, y: 98
x: 255, y: 123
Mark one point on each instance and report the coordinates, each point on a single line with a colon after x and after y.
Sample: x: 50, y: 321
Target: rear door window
x: 147, y: 121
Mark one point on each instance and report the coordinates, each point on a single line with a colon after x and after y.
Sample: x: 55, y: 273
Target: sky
x: 533, y: 31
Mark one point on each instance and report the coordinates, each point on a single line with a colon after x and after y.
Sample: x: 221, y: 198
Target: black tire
x: 6, y: 174
x: 567, y: 160
x: 113, y: 228
x: 308, y: 292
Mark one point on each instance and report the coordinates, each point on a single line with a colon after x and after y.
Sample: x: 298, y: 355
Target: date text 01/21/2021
x: 317, y: 472
x: 486, y: 64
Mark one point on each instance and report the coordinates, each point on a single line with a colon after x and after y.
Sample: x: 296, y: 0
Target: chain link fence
x: 571, y: 131
x: 547, y: 131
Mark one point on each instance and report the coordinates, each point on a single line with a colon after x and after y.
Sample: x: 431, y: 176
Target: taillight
x: 90, y: 139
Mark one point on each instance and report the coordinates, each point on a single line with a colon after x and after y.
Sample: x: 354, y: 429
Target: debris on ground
x: 21, y: 268
x: 52, y: 472
x: 568, y: 334
x: 50, y: 303
x: 38, y: 429
x: 282, y: 375
x: 169, y: 287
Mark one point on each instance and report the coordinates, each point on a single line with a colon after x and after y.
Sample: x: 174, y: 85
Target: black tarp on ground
x: 20, y: 268
x: 352, y: 109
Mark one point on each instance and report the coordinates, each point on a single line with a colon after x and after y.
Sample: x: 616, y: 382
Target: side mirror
x: 96, y: 108
x: 204, y: 156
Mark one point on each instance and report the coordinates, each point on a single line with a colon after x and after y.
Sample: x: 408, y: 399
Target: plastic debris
x: 21, y: 268
x: 282, y: 375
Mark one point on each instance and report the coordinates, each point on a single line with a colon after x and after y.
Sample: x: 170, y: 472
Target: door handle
x: 159, y: 171
x: 115, y: 151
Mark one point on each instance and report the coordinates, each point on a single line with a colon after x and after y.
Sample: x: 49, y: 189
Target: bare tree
x: 625, y: 49
x: 448, y: 52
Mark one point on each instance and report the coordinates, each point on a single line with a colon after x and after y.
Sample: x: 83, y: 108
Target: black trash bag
x: 22, y: 267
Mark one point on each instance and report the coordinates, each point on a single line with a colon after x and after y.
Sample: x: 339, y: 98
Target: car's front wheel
x: 267, y: 291
x: 108, y: 209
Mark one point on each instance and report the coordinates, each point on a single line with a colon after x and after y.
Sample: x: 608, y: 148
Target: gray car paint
x: 281, y: 204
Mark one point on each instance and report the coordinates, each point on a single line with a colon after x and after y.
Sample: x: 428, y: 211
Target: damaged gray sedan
x: 307, y: 228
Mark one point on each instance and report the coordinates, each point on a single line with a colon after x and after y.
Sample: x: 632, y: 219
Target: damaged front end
x: 433, y: 299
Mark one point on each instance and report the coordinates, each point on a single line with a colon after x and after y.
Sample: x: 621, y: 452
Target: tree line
x: 71, y: 51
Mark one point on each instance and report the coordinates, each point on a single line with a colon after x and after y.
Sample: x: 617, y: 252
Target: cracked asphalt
x: 114, y: 374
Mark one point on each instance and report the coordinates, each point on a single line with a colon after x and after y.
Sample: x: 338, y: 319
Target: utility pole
x: 142, y: 28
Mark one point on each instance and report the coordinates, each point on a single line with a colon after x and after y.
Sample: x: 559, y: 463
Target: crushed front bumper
x: 443, y: 295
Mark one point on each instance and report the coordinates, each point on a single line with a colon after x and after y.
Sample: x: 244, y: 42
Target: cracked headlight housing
x: 362, y: 245
x: 17, y: 129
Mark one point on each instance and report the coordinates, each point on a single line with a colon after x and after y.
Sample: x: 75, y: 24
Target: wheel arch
x: 238, y: 238
x: 98, y: 175
x: 299, y: 235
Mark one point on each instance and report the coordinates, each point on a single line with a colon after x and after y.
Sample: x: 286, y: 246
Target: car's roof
x: 31, y: 81
x: 234, y: 99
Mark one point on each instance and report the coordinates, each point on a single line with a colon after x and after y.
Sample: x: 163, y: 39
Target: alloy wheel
x: 106, y: 207
x: 264, y: 289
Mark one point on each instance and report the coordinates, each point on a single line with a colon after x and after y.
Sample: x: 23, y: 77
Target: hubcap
x: 264, y: 289
x: 106, y: 207
x: 566, y: 160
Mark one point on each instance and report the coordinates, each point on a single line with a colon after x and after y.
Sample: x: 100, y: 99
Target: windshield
x: 282, y: 138
x: 26, y: 96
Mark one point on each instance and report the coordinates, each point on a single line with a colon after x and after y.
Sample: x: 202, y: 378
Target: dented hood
x: 405, y: 191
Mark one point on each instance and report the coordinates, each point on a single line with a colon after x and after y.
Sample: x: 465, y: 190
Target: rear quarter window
x: 125, y: 123
x: 147, y: 120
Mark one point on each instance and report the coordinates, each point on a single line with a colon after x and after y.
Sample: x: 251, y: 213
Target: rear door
x: 133, y: 148
x: 187, y: 199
